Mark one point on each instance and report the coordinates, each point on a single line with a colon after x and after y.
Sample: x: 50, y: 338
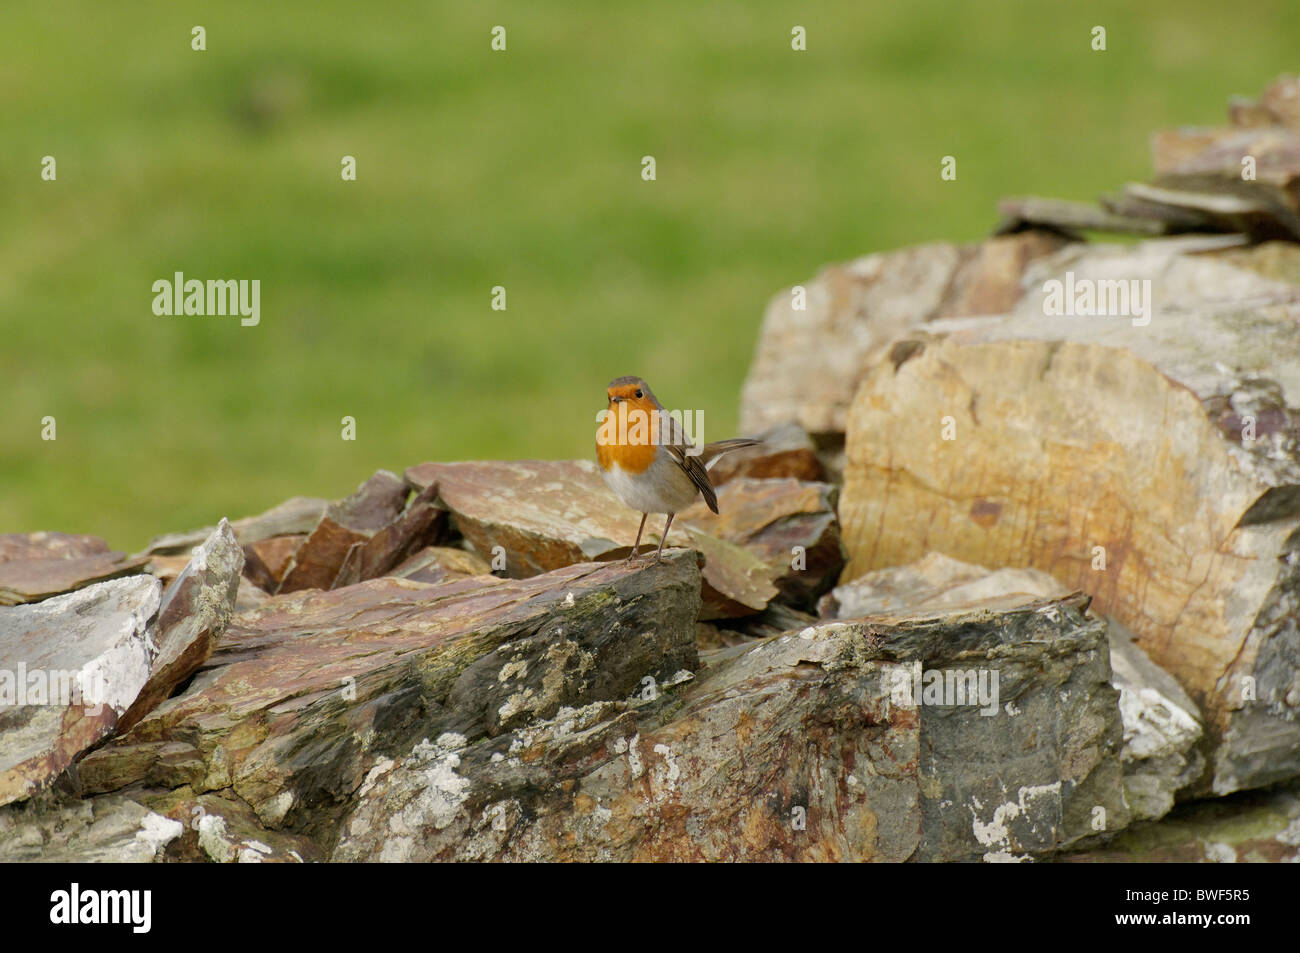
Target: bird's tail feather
x: 716, y: 449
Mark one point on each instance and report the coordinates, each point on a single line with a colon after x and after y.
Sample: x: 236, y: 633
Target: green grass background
x: 519, y: 169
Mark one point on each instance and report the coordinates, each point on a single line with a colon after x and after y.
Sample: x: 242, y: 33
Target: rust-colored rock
x: 785, y: 451
x: 35, y: 566
x: 191, y: 619
x: 276, y: 555
x: 420, y: 523
x: 440, y: 564
x: 809, y: 359
x: 347, y: 524
x: 1109, y: 452
x: 69, y: 668
x: 304, y: 693
x: 539, y: 515
x: 795, y: 748
x: 789, y: 525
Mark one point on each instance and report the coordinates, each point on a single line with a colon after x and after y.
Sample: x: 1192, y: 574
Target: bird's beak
x: 616, y: 400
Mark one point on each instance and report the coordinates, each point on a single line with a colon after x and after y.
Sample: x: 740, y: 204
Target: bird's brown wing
x: 695, y: 469
x: 674, y: 440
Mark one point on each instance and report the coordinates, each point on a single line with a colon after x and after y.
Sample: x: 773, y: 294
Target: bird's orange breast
x: 630, y: 457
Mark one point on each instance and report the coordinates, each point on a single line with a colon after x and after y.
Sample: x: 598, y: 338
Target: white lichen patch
x: 995, y: 833
x: 157, y: 831
x: 381, y: 768
x: 1154, y: 726
x: 1290, y: 835
x: 664, y: 776
x: 273, y: 810
x: 566, y: 721
x: 634, y: 763
x: 439, y: 790
x: 514, y: 705
x: 253, y: 852
x: 1004, y: 857
x: 515, y: 669
x: 213, y: 840
x: 1219, y: 853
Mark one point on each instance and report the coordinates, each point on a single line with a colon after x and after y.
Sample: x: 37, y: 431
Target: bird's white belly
x: 662, y: 488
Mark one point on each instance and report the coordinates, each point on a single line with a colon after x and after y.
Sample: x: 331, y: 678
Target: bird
x: 647, y: 459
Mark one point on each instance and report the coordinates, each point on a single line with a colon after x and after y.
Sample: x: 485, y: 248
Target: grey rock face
x: 70, y: 667
x: 307, y: 691
x: 194, y: 613
x: 99, y: 830
x: 1162, y: 729
x: 1162, y: 726
x: 802, y: 747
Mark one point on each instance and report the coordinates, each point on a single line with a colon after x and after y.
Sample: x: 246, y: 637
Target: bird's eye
x: 639, y: 394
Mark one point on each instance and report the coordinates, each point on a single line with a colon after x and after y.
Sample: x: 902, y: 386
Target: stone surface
x: 295, y: 516
x: 537, y: 515
x: 785, y: 451
x: 808, y: 362
x: 305, y: 693
x: 275, y: 555
x: 1072, y: 434
x: 440, y: 564
x: 248, y: 596
x: 69, y: 668
x: 790, y: 749
x: 99, y: 830
x: 349, y: 523
x: 1162, y: 727
x: 790, y: 525
x: 937, y: 583
x: 191, y: 619
x: 222, y: 829
x: 44, y: 545
x: 35, y: 566
x: 542, y: 514
x: 166, y: 568
x: 1252, y: 827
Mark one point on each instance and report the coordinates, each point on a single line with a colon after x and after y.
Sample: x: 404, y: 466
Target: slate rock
x: 305, y: 693
x: 70, y: 667
x: 194, y: 613
x: 794, y: 748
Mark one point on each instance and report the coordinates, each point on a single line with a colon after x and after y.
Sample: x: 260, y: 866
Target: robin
x: 647, y: 459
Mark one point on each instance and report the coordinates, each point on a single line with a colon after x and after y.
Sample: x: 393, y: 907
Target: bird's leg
x: 637, y: 544
x: 663, y: 537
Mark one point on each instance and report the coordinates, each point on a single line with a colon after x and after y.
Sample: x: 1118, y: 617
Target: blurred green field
x: 519, y: 169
